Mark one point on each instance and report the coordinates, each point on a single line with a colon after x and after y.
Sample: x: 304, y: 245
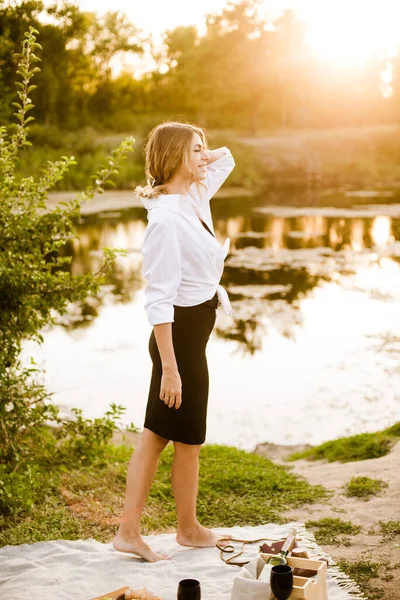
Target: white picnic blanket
x: 83, y: 569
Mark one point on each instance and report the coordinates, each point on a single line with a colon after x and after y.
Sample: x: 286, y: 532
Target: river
x: 312, y: 353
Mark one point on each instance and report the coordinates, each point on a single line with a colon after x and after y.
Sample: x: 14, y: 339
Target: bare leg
x: 141, y: 471
x: 185, y: 478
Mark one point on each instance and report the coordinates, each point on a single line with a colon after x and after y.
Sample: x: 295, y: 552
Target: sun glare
x: 342, y: 32
x: 350, y: 32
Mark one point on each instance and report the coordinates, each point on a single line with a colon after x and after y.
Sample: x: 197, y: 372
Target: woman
x: 183, y: 263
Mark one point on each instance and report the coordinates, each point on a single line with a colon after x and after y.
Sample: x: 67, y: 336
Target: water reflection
x: 309, y: 231
x: 381, y: 231
x: 314, y: 290
x: 123, y: 278
x: 279, y: 255
x: 94, y: 234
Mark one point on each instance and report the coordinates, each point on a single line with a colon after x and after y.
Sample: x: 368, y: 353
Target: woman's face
x: 197, y: 160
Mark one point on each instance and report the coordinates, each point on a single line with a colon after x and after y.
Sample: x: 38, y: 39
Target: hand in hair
x: 215, y: 155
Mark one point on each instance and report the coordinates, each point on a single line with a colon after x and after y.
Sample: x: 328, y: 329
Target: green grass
x: 364, y: 487
x: 236, y: 488
x: 356, y: 447
x: 390, y: 529
x: 328, y: 530
x: 363, y: 571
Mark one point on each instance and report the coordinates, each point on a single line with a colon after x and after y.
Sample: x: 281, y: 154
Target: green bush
x: 85, y: 440
x: 250, y: 172
x: 90, y: 150
x: 34, y: 285
x: 74, y: 444
x: 22, y: 490
x: 50, y: 136
x: 364, y: 487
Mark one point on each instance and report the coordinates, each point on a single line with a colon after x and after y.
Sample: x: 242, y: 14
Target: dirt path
x: 370, y: 543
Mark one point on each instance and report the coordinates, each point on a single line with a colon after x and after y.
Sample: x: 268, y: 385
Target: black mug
x: 189, y: 589
x: 281, y: 580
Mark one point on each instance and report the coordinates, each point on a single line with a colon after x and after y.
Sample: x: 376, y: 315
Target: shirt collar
x: 171, y: 201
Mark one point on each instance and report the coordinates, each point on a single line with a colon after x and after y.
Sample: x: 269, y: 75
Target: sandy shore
x: 369, y: 544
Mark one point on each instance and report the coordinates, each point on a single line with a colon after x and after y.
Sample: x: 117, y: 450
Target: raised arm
x: 219, y: 167
x: 216, y: 154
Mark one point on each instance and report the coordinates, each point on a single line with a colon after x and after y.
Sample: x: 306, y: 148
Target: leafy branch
x: 104, y: 174
x: 35, y: 286
x: 27, y: 71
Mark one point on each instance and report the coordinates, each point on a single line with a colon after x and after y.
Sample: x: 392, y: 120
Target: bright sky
x: 343, y: 31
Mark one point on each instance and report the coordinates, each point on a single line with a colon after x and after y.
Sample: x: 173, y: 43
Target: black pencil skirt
x: 191, y: 330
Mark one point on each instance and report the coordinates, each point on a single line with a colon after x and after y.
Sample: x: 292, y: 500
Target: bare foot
x: 199, y: 537
x: 136, y: 545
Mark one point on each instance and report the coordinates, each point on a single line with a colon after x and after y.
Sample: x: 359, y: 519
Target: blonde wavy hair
x: 166, y: 150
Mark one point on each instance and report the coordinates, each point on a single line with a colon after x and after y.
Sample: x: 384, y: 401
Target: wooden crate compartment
x: 307, y: 588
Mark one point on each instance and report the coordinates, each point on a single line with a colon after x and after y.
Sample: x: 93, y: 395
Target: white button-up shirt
x: 182, y: 261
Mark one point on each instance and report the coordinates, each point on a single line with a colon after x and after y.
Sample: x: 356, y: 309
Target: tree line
x: 240, y: 74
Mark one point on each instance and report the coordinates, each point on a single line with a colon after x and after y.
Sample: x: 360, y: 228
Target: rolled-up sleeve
x: 217, y: 172
x: 162, y: 269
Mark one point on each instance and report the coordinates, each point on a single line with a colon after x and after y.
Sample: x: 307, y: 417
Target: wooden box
x: 307, y: 588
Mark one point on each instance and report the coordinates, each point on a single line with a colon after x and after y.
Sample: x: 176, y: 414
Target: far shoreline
x: 352, y: 204
x: 112, y: 200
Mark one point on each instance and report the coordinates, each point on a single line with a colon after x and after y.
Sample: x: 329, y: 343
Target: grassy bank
x: 349, y: 158
x: 81, y: 501
x: 91, y: 149
x: 355, y: 447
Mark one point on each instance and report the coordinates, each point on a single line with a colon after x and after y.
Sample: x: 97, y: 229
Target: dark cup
x: 281, y: 581
x: 189, y: 589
